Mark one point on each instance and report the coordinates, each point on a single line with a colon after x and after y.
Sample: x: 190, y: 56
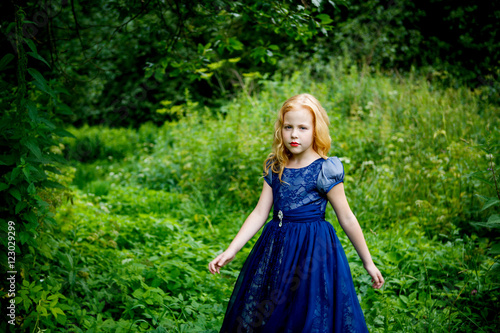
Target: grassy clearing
x: 152, y: 207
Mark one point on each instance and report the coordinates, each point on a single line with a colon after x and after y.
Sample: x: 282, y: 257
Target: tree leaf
x: 7, y: 159
x: 15, y: 193
x: 32, y: 146
x: 49, y: 124
x: 31, y: 188
x: 43, y: 88
x: 63, y: 133
x: 52, y: 169
x: 495, y: 249
x: 24, y: 236
x: 30, y: 217
x: 20, y: 206
x: 51, y: 184
x: 476, y: 176
x: 235, y: 44
x: 26, y: 172
x: 493, y: 222
x: 31, y: 45
x: 15, y: 173
x: 37, y: 76
x: 495, y: 268
x: 38, y: 57
x: 57, y: 311
x: 494, y: 219
x: 40, y: 81
x: 63, y: 109
x: 6, y: 60
x: 324, y: 18
x: 32, y: 111
x: 491, y: 202
x: 317, y: 3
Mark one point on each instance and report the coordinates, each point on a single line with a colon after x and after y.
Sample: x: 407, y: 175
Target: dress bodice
x: 306, y: 186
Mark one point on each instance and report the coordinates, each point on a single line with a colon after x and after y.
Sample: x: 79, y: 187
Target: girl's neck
x: 302, y: 161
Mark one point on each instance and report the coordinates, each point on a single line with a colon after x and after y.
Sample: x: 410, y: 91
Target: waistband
x: 303, y: 214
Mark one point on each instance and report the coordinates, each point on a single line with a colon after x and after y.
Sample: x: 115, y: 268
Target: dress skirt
x: 295, y: 279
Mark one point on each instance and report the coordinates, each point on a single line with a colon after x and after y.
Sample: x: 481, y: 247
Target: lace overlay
x: 296, y: 278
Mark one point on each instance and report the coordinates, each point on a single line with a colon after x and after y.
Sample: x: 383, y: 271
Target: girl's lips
x: 294, y: 144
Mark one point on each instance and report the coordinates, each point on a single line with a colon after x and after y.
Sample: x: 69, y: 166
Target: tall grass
x: 406, y: 145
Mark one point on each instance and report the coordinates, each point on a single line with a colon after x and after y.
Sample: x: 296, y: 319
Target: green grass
x: 132, y: 251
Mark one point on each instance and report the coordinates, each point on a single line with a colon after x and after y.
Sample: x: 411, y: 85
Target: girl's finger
x: 211, y: 265
x: 377, y: 280
x: 218, y: 265
x: 211, y: 268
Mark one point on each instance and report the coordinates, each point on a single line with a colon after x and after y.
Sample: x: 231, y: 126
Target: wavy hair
x: 280, y: 155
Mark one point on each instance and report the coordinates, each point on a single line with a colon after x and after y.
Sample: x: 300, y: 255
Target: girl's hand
x: 377, y: 278
x: 221, y: 260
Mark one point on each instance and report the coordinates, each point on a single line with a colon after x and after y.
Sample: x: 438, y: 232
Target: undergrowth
x: 152, y: 207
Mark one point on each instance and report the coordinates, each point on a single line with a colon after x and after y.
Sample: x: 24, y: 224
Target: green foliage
x: 94, y: 144
x: 133, y: 247
x: 120, y: 59
x: 491, y: 204
x: 154, y: 205
x: 30, y: 185
x: 127, y: 266
x: 459, y: 45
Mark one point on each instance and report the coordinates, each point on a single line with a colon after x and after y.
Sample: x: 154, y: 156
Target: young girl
x: 296, y: 278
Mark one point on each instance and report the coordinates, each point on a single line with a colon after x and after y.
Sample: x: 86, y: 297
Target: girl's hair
x: 277, y: 160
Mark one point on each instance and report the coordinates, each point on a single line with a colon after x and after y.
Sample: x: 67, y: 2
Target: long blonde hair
x: 280, y: 155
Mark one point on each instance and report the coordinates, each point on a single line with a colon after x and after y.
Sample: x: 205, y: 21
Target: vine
x: 31, y: 165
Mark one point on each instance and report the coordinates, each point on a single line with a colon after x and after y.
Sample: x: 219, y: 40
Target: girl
x: 296, y: 278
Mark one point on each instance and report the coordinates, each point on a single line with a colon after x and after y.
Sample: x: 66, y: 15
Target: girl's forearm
x: 353, y: 231
x: 252, y: 224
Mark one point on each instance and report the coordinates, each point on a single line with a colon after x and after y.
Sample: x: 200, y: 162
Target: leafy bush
x: 96, y: 143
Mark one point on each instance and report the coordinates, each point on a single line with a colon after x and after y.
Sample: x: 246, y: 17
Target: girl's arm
x: 252, y: 224
x: 351, y: 226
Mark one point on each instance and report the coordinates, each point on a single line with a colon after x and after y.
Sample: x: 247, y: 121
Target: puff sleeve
x: 332, y: 173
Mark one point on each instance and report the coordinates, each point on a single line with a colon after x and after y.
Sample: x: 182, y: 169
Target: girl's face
x: 298, y: 132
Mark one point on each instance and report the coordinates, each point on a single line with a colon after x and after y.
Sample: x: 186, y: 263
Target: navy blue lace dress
x: 296, y: 278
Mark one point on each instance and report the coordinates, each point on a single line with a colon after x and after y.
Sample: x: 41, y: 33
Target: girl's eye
x: 288, y: 127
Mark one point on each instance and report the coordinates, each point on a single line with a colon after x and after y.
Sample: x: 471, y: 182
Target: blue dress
x: 296, y: 278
